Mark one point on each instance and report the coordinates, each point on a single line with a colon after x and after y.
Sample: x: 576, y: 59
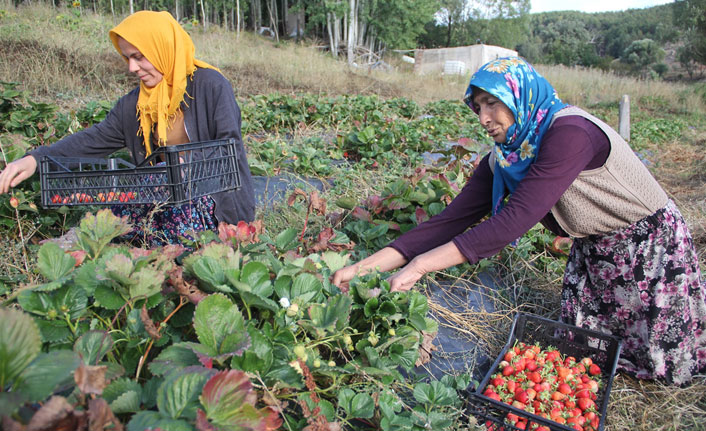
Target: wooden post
x: 624, y: 118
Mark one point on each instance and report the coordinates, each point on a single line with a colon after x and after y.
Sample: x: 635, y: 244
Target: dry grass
x: 56, y: 57
x: 50, y: 53
x: 639, y: 405
x: 681, y: 169
x: 587, y: 87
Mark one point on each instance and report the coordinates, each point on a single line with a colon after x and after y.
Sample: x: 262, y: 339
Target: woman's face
x: 494, y: 116
x: 139, y: 65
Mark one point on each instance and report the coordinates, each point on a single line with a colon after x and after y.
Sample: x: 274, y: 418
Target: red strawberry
x: 564, y: 388
x: 557, y: 396
x: 585, y: 403
x: 521, y: 396
x: 583, y: 393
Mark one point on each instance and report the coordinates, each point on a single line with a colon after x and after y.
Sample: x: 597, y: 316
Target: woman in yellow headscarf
x: 180, y: 99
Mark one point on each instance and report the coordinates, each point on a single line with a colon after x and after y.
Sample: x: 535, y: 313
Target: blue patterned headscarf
x: 533, y: 102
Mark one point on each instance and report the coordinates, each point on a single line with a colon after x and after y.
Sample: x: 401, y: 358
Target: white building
x: 458, y: 60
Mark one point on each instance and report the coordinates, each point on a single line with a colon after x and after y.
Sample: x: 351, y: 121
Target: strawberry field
x: 241, y: 329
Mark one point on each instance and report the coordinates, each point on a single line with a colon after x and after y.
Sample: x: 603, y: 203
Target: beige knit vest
x: 610, y: 197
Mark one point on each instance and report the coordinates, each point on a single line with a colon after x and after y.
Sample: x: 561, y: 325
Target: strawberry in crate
x: 548, y: 384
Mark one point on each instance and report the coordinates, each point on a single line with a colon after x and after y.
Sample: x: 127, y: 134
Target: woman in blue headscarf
x: 632, y: 271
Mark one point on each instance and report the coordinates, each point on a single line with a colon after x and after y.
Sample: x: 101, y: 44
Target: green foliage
x: 48, y: 373
x: 25, y: 124
x: 228, y: 402
x: 568, y: 37
x: 178, y: 396
x: 53, y: 263
x: 97, y: 231
x: 660, y: 69
x: 123, y: 396
x: 20, y: 115
x: 656, y: 130
x: 64, y: 303
x: 690, y: 16
x: 26, y: 375
x: 356, y: 405
x: 332, y: 316
x: 93, y: 346
x: 19, y: 344
x: 273, y: 112
x: 220, y: 328
x: 154, y: 420
x: 538, y: 244
x: 398, y: 24
x: 408, y: 202
x: 640, y: 54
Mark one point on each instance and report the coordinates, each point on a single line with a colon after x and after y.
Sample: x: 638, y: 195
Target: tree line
x: 631, y: 41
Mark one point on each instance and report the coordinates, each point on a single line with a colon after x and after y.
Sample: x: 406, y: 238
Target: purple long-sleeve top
x: 571, y: 145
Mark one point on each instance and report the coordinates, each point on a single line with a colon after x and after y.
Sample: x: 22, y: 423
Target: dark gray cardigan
x: 210, y: 113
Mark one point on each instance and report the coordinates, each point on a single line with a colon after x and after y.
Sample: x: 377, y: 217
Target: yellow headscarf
x: 160, y: 39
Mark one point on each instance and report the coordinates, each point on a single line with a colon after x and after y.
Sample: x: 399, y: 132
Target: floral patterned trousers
x: 168, y: 225
x: 642, y: 283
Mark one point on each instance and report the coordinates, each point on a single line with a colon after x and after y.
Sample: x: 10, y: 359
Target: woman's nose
x: 484, y: 117
x: 132, y: 65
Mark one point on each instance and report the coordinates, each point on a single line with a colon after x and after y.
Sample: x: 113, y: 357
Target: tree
x: 399, y: 23
x: 467, y: 22
x: 452, y: 14
x: 660, y: 69
x: 506, y: 32
x: 488, y: 9
x: 564, y: 41
x: 641, y: 54
x: 690, y: 15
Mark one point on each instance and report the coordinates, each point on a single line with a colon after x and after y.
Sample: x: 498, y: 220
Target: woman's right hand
x: 343, y: 276
x: 383, y: 260
x: 16, y: 172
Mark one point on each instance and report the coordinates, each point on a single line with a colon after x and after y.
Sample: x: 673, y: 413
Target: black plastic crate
x: 570, y: 340
x: 173, y: 174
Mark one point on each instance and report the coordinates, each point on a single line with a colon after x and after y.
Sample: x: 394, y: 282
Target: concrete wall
x: 474, y: 56
x: 292, y: 18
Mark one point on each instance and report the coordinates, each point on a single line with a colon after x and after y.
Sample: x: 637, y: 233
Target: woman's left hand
x: 405, y: 278
x: 436, y: 259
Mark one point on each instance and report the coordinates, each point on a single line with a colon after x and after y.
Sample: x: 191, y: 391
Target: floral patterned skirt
x: 154, y: 226
x: 642, y: 283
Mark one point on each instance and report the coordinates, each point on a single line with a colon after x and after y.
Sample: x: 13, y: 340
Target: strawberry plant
x: 27, y: 374
x: 195, y: 340
x: 275, y: 111
x: 403, y: 204
x: 25, y: 124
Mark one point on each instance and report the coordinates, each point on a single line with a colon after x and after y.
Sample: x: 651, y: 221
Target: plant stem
x: 182, y: 301
x: 247, y: 308
x: 68, y: 322
x: 19, y: 222
x: 15, y: 293
x: 306, y: 221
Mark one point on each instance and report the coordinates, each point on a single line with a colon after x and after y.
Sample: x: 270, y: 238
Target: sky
x: 592, y: 5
